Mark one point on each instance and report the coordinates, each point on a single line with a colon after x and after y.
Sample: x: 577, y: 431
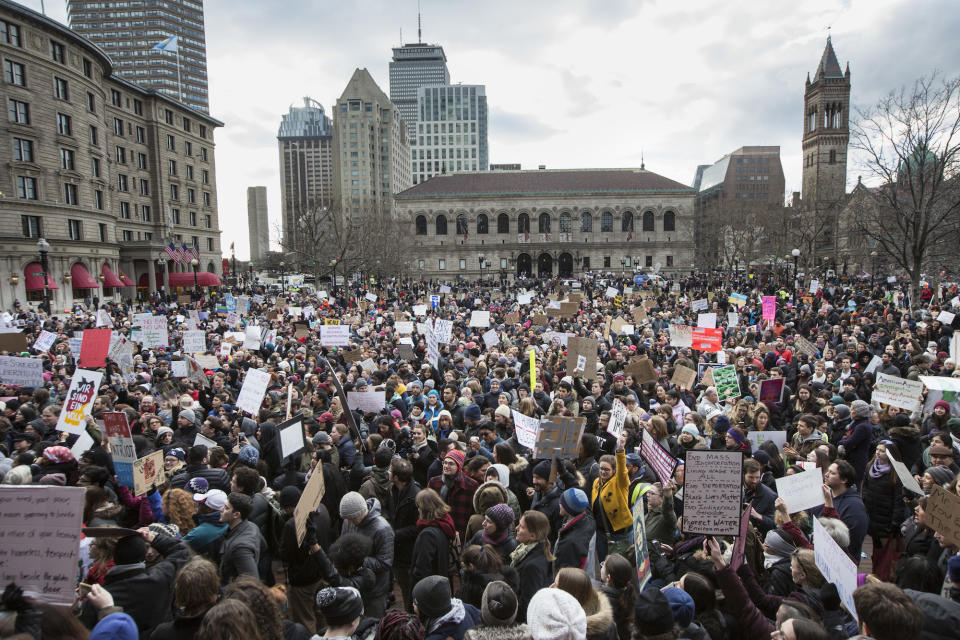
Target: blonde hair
x: 539, y: 527
x: 431, y: 505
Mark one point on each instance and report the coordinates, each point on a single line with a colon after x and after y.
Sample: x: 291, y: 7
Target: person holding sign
x: 610, y: 502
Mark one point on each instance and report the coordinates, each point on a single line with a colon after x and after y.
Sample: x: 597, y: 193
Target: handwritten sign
x: 79, y: 400
x: 898, y: 392
x: 526, y: 429
x: 23, y: 372
x: 480, y: 319
x: 700, y: 305
x: 491, y: 339
x: 943, y: 511
x: 117, y: 430
x: 835, y: 565
x: 308, y: 503
x: 707, y: 320
x: 153, y: 331
x: 712, y: 493
x: 251, y: 394
x: 684, y: 377
x: 618, y: 415
x: 681, y: 336
x: 778, y: 438
x: 443, y: 330
x: 657, y: 457
x: 44, y: 341
x: 148, y: 472
x: 194, y: 341
x: 40, y: 540
x: 366, y: 401
x: 585, y: 348
x: 335, y: 335
x: 801, y: 491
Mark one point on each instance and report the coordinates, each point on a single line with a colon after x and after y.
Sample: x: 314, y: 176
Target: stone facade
x: 107, y: 172
x: 547, y: 223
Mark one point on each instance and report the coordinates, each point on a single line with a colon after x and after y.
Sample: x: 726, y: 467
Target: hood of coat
x: 907, y: 433
x: 489, y: 494
x: 519, y: 466
x: 599, y: 621
x: 503, y: 472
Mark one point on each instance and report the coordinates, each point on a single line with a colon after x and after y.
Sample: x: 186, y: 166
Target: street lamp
x: 162, y: 265
x: 283, y: 281
x: 796, y: 254
x: 44, y: 247
x: 333, y: 265
x: 623, y: 265
x: 482, y: 261
x: 196, y: 283
x: 873, y: 274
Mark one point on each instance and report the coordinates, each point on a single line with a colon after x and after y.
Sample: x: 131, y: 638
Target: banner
x: 712, y: 492
x: 117, y: 431
x: 657, y: 457
x: 79, y: 401
x: 897, y: 391
x: 251, y: 394
x: 22, y: 372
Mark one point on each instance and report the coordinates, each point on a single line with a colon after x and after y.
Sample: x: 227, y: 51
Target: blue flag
x: 170, y: 44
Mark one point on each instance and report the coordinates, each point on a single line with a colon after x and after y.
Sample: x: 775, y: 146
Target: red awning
x: 127, y: 282
x: 185, y: 279
x: 109, y: 278
x: 33, y: 278
x: 80, y: 279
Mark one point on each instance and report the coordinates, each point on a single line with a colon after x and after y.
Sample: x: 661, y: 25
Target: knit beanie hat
x: 843, y: 411
x: 130, y: 550
x: 554, y: 614
x: 164, y: 430
x: 171, y: 529
x: 652, y: 613
x: 779, y: 543
x: 691, y: 429
x: 940, y: 474
x: 542, y: 469
x: 681, y: 604
x: 188, y: 415
x: 574, y: 501
x: 953, y: 569
x: 498, y: 607
x: 503, y: 410
x: 352, y: 505
x: 20, y: 474
x: 340, y: 605
x: 198, y: 485
x: 457, y: 456
x: 116, y: 626
x: 860, y: 409
x: 432, y: 596
x: 289, y: 496
x: 248, y: 456
x: 501, y: 515
x: 56, y: 479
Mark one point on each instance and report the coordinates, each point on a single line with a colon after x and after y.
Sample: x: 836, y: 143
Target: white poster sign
x: 480, y: 319
x: 897, y: 391
x: 178, y: 368
x: 526, y: 428
x: 291, y: 436
x: 335, y: 335
x: 612, y: 292
x: 707, y: 320
x: 444, y: 289
x: 251, y: 394
x: 406, y: 328
x: 681, y: 336
x: 618, y: 414
x: 22, y: 372
x: 194, y: 341
x: 711, y: 502
x: 251, y: 337
x: 491, y: 339
x: 44, y: 341
x: 700, y: 305
x: 79, y: 400
x: 779, y: 438
x: 801, y: 491
x: 367, y: 401
x: 443, y: 329
x: 835, y: 565
x: 153, y: 332
x: 419, y: 310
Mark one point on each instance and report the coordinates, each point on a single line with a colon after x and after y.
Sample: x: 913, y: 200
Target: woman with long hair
x: 229, y: 620
x: 480, y: 567
x: 882, y: 495
x: 435, y: 534
x: 618, y: 584
x: 531, y: 559
x: 179, y: 508
x: 576, y: 582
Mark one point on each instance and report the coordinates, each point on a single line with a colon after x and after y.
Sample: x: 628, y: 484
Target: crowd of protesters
x: 437, y: 523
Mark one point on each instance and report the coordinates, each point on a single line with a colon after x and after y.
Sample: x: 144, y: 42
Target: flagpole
x: 179, y: 83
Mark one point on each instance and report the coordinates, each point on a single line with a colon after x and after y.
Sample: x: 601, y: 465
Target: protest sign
x: 335, y: 335
x: 13, y: 341
x: 769, y: 307
x: 117, y: 431
x: 371, y: 297
x: 707, y: 320
x: 291, y: 436
x: 738, y: 299
x: 612, y: 292
x: 79, y: 400
x: 733, y: 318
x: 943, y: 514
x: 801, y: 491
x: 906, y: 478
x: 582, y: 356
x: 778, y: 438
x: 771, y: 390
x: 208, y: 362
x: 419, y: 310
x: 875, y: 362
x: 75, y: 343
x: 22, y: 372
x: 94, y: 347
x: 641, y: 552
x: 681, y: 336
x: 251, y: 394
x: 641, y: 368
x: 308, y: 503
x: 491, y: 339
x: 367, y: 401
x: 204, y: 440
x: 526, y: 429
x: 82, y: 445
x: 946, y: 317
x: 233, y: 318
x: 178, y: 368
x: 251, y: 337
x: 480, y: 319
x: 44, y: 341
x: 512, y: 318
x: 443, y: 330
x: 684, y: 377
x: 700, y: 305
x: 639, y: 315
x: 712, y: 492
x: 40, y: 533
x: 104, y: 319
x: 618, y: 415
x: 352, y: 355
x: 368, y: 364
x: 706, y: 378
x: 153, y: 331
x: 148, y: 472
x: 657, y: 457
x: 405, y: 328
x: 814, y: 286
x: 194, y: 341
x: 559, y: 436
x: 706, y: 339
x: 898, y: 392
x: 727, y: 382
x: 805, y: 346
x: 740, y: 544
x: 835, y: 565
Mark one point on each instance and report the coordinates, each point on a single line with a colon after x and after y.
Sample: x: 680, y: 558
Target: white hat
x: 554, y: 614
x: 214, y: 498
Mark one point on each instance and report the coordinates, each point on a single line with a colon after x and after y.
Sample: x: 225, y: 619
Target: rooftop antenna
x: 419, y: 31
x: 642, y: 165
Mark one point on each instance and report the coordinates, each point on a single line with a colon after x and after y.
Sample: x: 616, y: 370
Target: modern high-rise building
x: 128, y: 33
x: 413, y: 66
x: 257, y: 222
x: 306, y: 164
x: 451, y: 130
x: 372, y: 155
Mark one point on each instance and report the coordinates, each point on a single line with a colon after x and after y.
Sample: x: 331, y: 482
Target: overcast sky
x: 570, y: 83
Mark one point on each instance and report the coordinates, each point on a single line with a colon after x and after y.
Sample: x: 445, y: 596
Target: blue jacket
x: 455, y: 623
x: 854, y: 514
x: 347, y: 451
x: 206, y: 533
x: 856, y: 446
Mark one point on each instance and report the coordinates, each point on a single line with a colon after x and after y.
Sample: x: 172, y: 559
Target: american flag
x: 171, y: 251
x: 195, y: 251
x: 184, y: 253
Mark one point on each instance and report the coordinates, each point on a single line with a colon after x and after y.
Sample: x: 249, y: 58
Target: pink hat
x: 58, y: 454
x: 457, y: 456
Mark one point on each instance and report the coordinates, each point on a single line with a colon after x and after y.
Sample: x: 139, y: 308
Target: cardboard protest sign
x: 512, y: 318
x: 639, y: 315
x: 44, y: 341
x: 712, y: 492
x: 657, y: 457
x: 582, y: 357
x: 898, y: 392
x: 727, y: 382
x: 684, y: 377
x: 540, y: 319
x: 805, y: 346
x: 943, y: 514
x: 480, y: 319
x: 118, y: 434
x: 308, y: 503
x: 194, y: 341
x: 148, y: 472
x: 641, y: 368
x: 291, y: 436
x: 771, y: 390
x: 352, y: 355
x: 559, y: 436
x: 79, y: 400
x: 94, y: 347
x: 40, y: 530
x: 22, y: 372
x: 801, y: 491
x: 251, y: 394
x: 14, y: 342
x: 367, y: 401
x: 526, y: 429
x: 618, y: 415
x: 835, y: 565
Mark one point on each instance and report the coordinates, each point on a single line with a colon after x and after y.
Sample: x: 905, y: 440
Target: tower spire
x: 419, y: 30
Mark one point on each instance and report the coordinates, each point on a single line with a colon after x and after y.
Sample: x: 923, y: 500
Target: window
x: 141, y: 161
x: 669, y: 221
x: 145, y: 212
x: 503, y: 223
x: 61, y: 89
x: 193, y: 218
x: 174, y: 192
x: 87, y: 68
x: 67, y: 159
x: 441, y: 227
x: 94, y: 135
x: 144, y: 187
x: 205, y: 176
x: 209, y: 244
x: 483, y: 226
x: 26, y: 187
x: 172, y: 167
x: 168, y: 116
x: 70, y: 194
x: 125, y: 210
x: 171, y: 143
x: 420, y: 226
x: 115, y: 98
x: 187, y: 148
x: 523, y: 223
x: 461, y: 225
x: 56, y: 51
x: 203, y: 153
x: 9, y: 33
x: 121, y: 155
x: 138, y: 107
x: 189, y: 169
x: 175, y: 215
x: 543, y: 223
x: 19, y: 111
x: 833, y: 156
x: 626, y: 223
x: 31, y: 226
x: 191, y: 196
x: 648, y: 224
x: 74, y: 229
x: 148, y: 235
x: 96, y: 167
x: 586, y: 222
x: 118, y: 126
x: 123, y: 183
x: 141, y: 135
x: 186, y: 124
x: 15, y: 73
x: 98, y: 202
x: 606, y: 262
x: 421, y: 263
x: 565, y: 222
x: 669, y: 261
x: 586, y: 263
x: 91, y: 102
x: 606, y: 222
x: 127, y: 235
x: 22, y: 150
x: 442, y: 265
x: 103, y: 232
x: 648, y: 261
x: 208, y: 221
x: 206, y: 199
x: 463, y: 264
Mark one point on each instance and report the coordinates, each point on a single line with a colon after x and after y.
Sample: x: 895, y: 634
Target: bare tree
x: 909, y: 145
x: 813, y: 233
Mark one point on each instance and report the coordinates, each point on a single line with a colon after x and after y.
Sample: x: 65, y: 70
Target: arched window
x: 586, y: 222
x: 503, y: 223
x: 441, y: 225
x: 669, y: 221
x: 482, y: 225
x: 648, y: 220
x: 544, y: 223
x: 627, y: 223
x: 606, y: 222
x: 461, y: 224
x: 421, y: 225
x: 523, y: 223
x: 565, y: 222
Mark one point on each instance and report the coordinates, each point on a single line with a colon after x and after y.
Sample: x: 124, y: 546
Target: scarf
x: 878, y: 469
x: 485, y: 539
x: 445, y: 524
x: 521, y: 552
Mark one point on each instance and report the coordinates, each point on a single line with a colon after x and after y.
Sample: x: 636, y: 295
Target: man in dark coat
x: 841, y: 478
x: 363, y: 516
x: 855, y: 444
x: 146, y: 594
x: 240, y: 553
x: 403, y: 518
x: 456, y: 489
x: 443, y: 617
x: 197, y: 467
x: 573, y: 539
x: 759, y: 496
x: 545, y: 497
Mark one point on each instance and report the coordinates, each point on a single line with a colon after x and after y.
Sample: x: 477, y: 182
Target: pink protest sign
x: 769, y: 307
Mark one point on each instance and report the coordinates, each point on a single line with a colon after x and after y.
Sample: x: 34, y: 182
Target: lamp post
x: 481, y: 260
x: 873, y: 274
x: 44, y: 247
x: 796, y: 254
x: 162, y: 265
x: 283, y: 281
x: 196, y: 282
x: 623, y: 265
x: 333, y: 288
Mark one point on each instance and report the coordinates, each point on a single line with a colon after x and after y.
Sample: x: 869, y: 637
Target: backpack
x: 454, y: 547
x: 273, y: 530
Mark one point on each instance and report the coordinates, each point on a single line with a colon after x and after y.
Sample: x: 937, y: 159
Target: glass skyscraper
x: 451, y: 130
x: 414, y: 66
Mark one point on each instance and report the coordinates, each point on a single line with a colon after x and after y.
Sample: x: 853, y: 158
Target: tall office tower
x: 372, y: 154
x: 257, y: 222
x: 306, y: 164
x: 129, y: 31
x: 414, y: 66
x: 451, y: 130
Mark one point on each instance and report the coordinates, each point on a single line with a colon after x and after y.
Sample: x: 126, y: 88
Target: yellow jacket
x: 614, y: 495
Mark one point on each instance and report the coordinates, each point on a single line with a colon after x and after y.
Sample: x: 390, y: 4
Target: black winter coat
x: 473, y: 583
x: 403, y: 518
x: 779, y: 579
x: 216, y: 478
x: 431, y: 554
x: 884, y: 502
x: 573, y: 542
x: 535, y: 574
